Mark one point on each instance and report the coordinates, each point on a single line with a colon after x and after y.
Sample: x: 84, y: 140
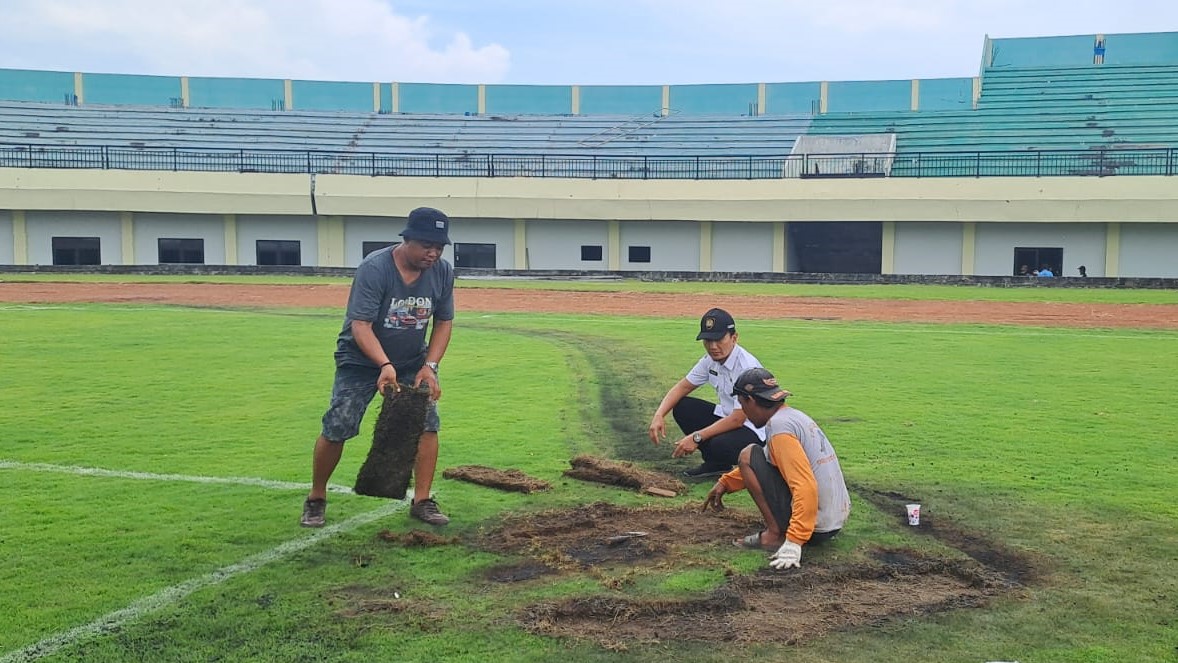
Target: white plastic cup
x: 913, y: 514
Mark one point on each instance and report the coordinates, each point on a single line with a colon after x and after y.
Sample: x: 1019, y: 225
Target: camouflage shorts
x: 351, y: 393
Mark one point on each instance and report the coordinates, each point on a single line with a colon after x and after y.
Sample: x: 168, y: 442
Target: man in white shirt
x: 718, y: 430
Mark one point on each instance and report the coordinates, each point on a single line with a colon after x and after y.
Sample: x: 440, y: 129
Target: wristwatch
x: 433, y: 366
x: 697, y: 438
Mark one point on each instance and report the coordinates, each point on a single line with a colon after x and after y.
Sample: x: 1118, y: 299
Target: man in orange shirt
x: 795, y: 479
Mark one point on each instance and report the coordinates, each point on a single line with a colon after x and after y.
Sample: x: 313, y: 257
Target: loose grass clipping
x: 386, y: 471
x: 510, y: 480
x: 621, y: 473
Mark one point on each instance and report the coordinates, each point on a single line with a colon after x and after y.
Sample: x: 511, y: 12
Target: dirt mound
x: 621, y: 473
x: 510, y: 479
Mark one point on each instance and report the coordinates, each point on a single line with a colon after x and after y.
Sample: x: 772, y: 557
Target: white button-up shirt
x: 722, y: 376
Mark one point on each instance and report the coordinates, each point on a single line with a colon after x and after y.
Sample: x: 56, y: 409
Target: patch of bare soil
x: 775, y: 607
x: 768, y: 606
x: 621, y: 473
x: 602, y: 533
x: 511, y: 480
x: 416, y: 538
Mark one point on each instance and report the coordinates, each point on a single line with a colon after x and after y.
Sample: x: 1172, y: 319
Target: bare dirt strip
x: 490, y: 300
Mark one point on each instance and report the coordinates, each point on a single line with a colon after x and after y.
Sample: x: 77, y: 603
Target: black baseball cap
x: 427, y: 224
x: 715, y: 324
x: 759, y: 382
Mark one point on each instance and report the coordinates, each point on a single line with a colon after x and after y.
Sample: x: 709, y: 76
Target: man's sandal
x: 753, y: 542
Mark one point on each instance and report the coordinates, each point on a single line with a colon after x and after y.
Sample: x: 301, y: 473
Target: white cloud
x: 313, y: 39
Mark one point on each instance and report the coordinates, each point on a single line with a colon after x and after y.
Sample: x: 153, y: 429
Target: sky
x: 546, y: 42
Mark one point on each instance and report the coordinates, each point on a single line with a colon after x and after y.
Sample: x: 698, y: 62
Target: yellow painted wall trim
x: 184, y: 97
x: 79, y: 88
x: 287, y: 95
x: 482, y: 99
x: 576, y: 106
x: 705, y: 246
x: 888, y: 249
x: 614, y: 229
x: 330, y: 234
x: 666, y: 109
x: 780, y: 245
x: 396, y: 97
x: 915, y: 94
x: 969, y: 242
x: 1112, y: 250
x: 823, y: 96
x: 977, y: 90
x: 762, y: 100
x: 20, y: 238
x: 376, y: 97
x: 230, y: 221
x: 520, y: 257
x: 127, y: 228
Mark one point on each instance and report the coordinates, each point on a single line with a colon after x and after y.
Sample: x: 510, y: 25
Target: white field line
x: 122, y: 474
x: 114, y: 620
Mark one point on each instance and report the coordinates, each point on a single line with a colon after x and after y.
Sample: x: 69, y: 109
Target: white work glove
x: 789, y: 554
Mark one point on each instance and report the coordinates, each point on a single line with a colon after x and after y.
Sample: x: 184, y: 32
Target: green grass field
x: 156, y: 460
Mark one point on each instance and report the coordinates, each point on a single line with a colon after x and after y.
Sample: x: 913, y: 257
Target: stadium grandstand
x: 1061, y: 151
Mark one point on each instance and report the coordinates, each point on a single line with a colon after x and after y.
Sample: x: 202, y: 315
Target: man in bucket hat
x: 718, y: 430
x: 395, y: 293
x: 795, y: 479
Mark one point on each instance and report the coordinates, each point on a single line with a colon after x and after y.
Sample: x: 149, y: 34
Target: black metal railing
x: 1028, y: 163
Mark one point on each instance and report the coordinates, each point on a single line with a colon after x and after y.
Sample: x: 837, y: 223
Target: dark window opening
x: 77, y: 251
x: 639, y: 253
x: 369, y: 247
x: 591, y: 252
x: 836, y: 247
x: 474, y: 255
x: 279, y: 252
x: 181, y: 251
x: 1028, y: 260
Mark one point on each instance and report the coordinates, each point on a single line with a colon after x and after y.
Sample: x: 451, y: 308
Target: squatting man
x: 795, y: 479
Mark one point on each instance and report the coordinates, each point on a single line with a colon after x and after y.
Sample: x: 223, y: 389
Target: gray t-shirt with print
x: 399, y: 313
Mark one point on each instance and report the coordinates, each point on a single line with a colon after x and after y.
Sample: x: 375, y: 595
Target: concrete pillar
x: 230, y: 221
x: 520, y: 258
x: 705, y: 246
x: 615, y: 244
x: 127, y: 228
x: 969, y: 241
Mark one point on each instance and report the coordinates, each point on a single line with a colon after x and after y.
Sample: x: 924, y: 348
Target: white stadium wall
x: 1082, y: 244
x: 150, y: 227
x: 1116, y: 226
x: 928, y: 248
x: 556, y: 244
x: 43, y: 226
x: 742, y: 247
x: 254, y: 227
x: 1148, y: 250
x: 7, y: 233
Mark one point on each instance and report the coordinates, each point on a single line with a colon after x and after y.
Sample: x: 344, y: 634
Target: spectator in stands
x: 718, y: 431
x: 1083, y: 271
x: 1045, y: 272
x: 1024, y: 271
x: 395, y: 293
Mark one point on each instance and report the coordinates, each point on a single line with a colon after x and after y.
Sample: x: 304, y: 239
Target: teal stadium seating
x: 358, y: 142
x: 1103, y: 110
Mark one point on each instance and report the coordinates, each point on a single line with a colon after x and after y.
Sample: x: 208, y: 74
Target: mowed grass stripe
x: 115, y: 620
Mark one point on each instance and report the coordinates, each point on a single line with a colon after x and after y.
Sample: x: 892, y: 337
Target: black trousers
x: 694, y: 414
